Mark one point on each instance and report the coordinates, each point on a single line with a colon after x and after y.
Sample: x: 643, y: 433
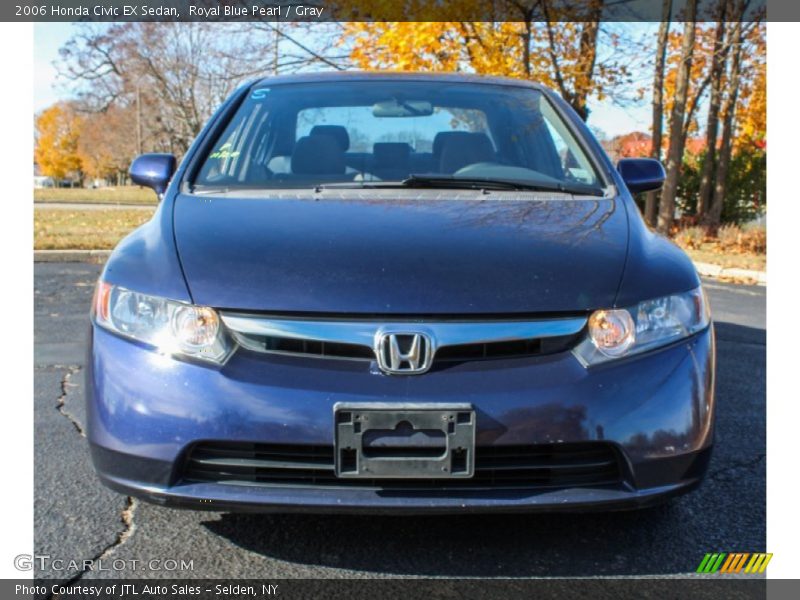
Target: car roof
x: 330, y: 76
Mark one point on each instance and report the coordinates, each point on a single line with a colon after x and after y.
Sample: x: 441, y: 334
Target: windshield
x: 364, y: 132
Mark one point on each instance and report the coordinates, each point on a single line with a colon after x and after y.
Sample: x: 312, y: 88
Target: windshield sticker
x: 259, y: 94
x: 224, y: 152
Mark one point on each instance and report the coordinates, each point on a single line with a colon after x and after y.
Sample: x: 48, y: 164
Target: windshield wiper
x: 488, y: 183
x: 436, y: 181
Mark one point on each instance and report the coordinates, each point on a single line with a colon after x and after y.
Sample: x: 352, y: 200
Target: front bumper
x: 145, y: 410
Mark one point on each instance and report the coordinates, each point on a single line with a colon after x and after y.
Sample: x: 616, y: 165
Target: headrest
x: 443, y: 137
x: 462, y: 151
x: 391, y: 153
x: 318, y: 155
x: 337, y: 132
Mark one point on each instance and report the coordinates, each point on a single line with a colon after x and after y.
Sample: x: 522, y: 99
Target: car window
x: 574, y: 165
x: 365, y: 129
x: 306, y: 134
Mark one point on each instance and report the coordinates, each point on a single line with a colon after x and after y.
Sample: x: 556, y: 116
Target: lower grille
x: 496, y: 467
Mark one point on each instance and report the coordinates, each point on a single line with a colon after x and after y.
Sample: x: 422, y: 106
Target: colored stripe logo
x: 735, y: 562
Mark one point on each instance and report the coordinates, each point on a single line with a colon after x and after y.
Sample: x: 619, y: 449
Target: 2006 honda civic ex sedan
x: 399, y: 293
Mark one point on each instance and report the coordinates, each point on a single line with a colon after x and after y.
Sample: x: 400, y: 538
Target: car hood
x: 401, y: 252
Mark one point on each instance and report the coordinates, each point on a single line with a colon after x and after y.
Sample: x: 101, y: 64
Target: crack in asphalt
x: 734, y: 466
x: 129, y: 526
x: 300, y: 552
x: 128, y: 512
x: 61, y: 401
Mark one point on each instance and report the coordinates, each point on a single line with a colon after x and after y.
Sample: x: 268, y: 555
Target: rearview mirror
x: 641, y: 174
x: 153, y: 171
x: 402, y: 108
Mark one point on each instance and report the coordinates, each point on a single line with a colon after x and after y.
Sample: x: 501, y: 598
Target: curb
x: 100, y: 256
x: 718, y: 272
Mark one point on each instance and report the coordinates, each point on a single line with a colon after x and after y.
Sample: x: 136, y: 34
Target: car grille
x: 356, y: 338
x: 496, y: 467
x: 462, y: 352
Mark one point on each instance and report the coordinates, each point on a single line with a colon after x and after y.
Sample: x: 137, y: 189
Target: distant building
x: 39, y: 179
x: 43, y: 181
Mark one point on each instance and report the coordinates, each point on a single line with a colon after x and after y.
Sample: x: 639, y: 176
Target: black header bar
x: 381, y: 10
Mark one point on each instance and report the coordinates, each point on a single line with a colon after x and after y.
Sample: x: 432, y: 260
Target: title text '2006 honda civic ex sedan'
x: 399, y: 293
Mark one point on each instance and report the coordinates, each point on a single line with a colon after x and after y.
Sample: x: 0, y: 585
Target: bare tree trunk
x: 692, y: 104
x: 588, y: 53
x: 714, y: 215
x: 666, y: 210
x: 526, y: 44
x: 715, y: 100
x: 587, y: 43
x: 526, y: 14
x: 651, y: 199
x: 276, y: 43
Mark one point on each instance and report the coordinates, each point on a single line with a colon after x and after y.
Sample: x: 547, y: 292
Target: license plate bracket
x: 404, y: 441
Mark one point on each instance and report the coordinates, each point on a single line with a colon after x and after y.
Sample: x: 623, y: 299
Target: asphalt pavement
x: 76, y: 518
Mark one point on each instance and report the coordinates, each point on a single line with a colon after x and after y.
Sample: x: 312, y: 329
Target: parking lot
x: 76, y: 518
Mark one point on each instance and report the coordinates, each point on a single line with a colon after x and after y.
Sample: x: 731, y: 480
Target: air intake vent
x: 496, y: 467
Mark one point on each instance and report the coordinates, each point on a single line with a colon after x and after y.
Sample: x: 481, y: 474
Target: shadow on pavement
x: 671, y: 538
x: 476, y: 545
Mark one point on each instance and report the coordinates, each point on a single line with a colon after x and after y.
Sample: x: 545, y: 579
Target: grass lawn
x: 59, y: 229
x: 708, y: 253
x: 128, y: 194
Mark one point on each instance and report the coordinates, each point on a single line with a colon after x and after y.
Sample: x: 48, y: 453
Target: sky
x: 47, y: 39
x: 607, y: 116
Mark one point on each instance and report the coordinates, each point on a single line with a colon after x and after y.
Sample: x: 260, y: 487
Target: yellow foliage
x: 561, y: 55
x: 751, y: 110
x: 751, y: 113
x: 57, y: 132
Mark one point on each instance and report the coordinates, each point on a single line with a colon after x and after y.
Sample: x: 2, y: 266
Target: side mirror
x: 153, y: 171
x: 641, y: 174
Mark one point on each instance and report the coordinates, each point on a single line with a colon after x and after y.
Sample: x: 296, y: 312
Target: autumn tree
x: 58, y: 129
x: 651, y: 199
x: 742, y: 115
x: 719, y: 58
x: 537, y: 42
x: 630, y: 145
x: 751, y: 109
x: 714, y: 214
x: 572, y: 49
x: 105, y: 146
x: 666, y: 208
x: 688, y: 73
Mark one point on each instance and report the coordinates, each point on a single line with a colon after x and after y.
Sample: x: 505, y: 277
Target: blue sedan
x: 399, y: 293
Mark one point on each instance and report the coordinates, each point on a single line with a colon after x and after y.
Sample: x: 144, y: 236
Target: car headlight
x: 170, y: 327
x: 616, y: 333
